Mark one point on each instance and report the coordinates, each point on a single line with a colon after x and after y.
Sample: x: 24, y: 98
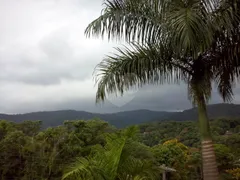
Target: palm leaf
x: 188, y: 25
x: 83, y: 169
x: 143, y: 64
x: 134, y: 169
x: 128, y: 19
x: 104, y: 163
x: 226, y: 62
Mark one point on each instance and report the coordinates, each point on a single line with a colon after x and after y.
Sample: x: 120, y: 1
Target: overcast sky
x: 46, y: 63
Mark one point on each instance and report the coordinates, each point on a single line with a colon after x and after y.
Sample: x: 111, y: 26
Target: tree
x: 224, y: 156
x: 115, y: 161
x: 5, y: 127
x: 30, y: 128
x: 235, y: 173
x: 196, y: 42
x: 173, y: 154
x: 11, y: 155
x: 194, y: 164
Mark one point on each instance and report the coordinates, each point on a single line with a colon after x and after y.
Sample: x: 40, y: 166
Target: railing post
x: 164, y: 175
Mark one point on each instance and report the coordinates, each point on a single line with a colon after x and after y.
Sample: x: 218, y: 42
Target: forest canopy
x: 93, y: 149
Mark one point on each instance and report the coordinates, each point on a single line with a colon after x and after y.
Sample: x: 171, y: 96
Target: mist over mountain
x: 123, y: 119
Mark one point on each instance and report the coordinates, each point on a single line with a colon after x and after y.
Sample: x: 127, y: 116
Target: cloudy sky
x: 46, y: 63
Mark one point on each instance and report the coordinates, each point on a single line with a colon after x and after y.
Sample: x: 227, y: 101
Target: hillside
x: 55, y: 118
x: 214, y: 111
x: 126, y: 118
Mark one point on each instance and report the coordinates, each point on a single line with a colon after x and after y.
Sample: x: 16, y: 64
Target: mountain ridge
x: 83, y: 111
x: 123, y: 118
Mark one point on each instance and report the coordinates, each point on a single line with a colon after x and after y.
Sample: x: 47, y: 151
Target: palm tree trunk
x: 210, y: 171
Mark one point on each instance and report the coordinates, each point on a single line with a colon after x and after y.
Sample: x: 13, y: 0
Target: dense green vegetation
x: 224, y: 131
x: 95, y: 150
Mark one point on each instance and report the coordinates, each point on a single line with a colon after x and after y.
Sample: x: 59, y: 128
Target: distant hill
x: 214, y: 111
x: 126, y: 118
x: 55, y: 118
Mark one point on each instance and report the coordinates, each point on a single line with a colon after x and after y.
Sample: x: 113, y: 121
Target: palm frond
x: 138, y: 169
x: 225, y: 59
x: 225, y: 86
x: 189, y: 25
x: 82, y: 169
x: 113, y: 156
x: 226, y: 70
x: 142, y: 64
x: 131, y: 132
x: 116, y: 160
x: 102, y: 165
x: 128, y: 19
x: 225, y: 17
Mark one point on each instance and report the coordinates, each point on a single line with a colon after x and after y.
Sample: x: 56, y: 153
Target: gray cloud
x: 54, y: 58
x: 46, y: 62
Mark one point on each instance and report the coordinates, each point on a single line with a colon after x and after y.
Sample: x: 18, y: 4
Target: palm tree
x: 172, y: 41
x: 114, y: 161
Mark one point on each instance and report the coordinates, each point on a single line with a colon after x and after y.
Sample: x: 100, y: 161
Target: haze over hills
x: 123, y: 119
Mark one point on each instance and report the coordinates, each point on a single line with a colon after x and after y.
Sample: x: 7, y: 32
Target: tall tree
x: 192, y: 41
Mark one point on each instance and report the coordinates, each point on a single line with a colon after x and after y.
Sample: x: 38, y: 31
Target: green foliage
x: 173, y: 154
x: 99, y: 151
x: 114, y: 161
x: 225, y: 156
x: 30, y: 128
x: 185, y: 132
x: 28, y: 153
x: 225, y: 133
